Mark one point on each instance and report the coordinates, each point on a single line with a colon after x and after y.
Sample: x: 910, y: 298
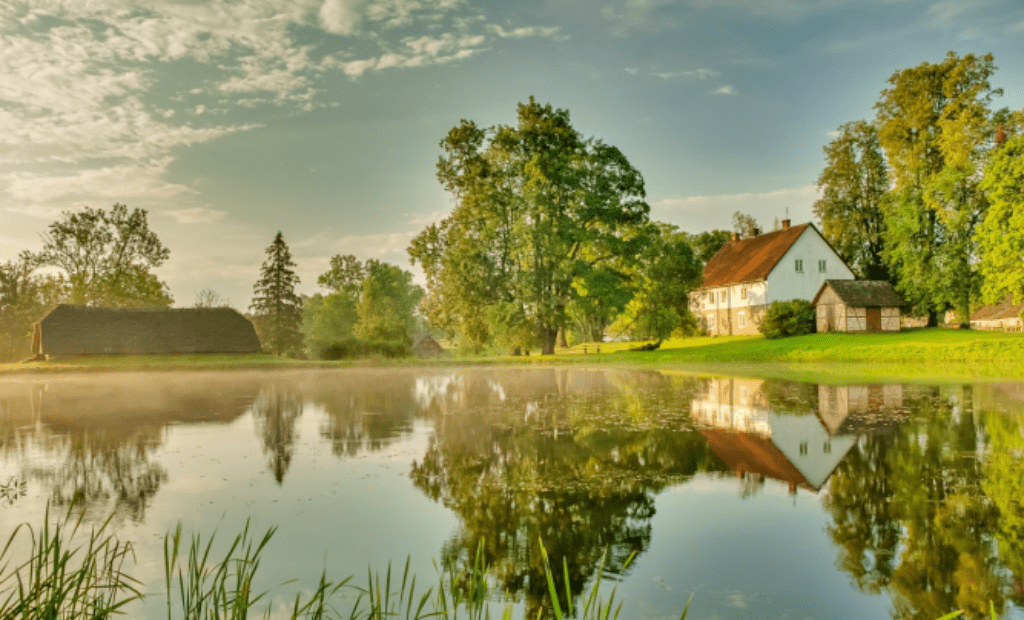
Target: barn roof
x: 83, y: 330
x: 997, y: 312
x: 862, y: 293
x: 750, y: 259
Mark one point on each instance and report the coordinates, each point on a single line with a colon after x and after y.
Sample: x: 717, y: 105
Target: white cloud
x: 375, y: 245
x: 700, y: 74
x: 524, y: 32
x: 121, y: 183
x: 725, y: 90
x: 342, y: 16
x: 197, y: 215
x: 745, y: 198
x: 695, y: 213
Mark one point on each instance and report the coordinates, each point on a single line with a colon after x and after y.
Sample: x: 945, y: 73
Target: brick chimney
x: 785, y: 224
x: 734, y: 236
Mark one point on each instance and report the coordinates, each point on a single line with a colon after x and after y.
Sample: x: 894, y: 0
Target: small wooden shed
x: 1004, y: 316
x: 424, y: 345
x: 857, y: 306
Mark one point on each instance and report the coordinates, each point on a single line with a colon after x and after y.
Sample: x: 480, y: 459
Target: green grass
x: 70, y: 574
x: 913, y: 354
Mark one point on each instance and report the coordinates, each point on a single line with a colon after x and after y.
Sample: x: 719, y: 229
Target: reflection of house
x: 747, y: 275
x: 81, y: 330
x: 857, y: 306
x: 751, y: 437
x: 839, y: 404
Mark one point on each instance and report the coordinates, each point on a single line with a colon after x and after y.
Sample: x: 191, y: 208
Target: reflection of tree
x: 572, y: 459
x: 365, y: 411
x: 275, y: 412
x: 98, y: 436
x: 1004, y: 485
x: 910, y: 511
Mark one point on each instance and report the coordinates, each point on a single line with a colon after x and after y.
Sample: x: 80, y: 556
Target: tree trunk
x: 547, y: 341
x: 561, y: 338
x: 933, y: 318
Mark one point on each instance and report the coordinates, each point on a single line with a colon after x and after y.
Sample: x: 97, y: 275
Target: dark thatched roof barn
x: 82, y: 330
x: 857, y: 306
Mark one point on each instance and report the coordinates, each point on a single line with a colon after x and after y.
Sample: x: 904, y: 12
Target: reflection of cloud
x: 725, y: 90
x: 523, y: 32
x: 736, y: 599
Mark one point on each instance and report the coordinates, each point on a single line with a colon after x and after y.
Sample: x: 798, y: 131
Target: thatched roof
x: 82, y: 330
x: 998, y: 312
x: 424, y: 345
x: 862, y: 293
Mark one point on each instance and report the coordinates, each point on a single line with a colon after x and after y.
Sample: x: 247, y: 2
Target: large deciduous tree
x: 25, y: 296
x: 538, y: 207
x: 935, y: 125
x: 276, y: 307
x: 107, y: 257
x: 1001, y: 235
x: 853, y: 188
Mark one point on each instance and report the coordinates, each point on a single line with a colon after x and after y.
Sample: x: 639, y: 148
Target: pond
x: 763, y: 499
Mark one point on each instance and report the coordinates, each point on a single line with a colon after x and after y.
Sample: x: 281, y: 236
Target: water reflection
x: 919, y: 487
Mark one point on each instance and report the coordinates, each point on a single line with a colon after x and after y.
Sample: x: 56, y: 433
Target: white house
x: 747, y: 275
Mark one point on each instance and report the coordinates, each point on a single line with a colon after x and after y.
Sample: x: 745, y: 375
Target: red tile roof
x: 752, y: 259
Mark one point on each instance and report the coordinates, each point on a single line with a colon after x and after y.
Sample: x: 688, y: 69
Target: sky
x: 231, y: 120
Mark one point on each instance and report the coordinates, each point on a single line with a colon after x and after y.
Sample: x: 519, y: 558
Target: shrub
x: 788, y: 318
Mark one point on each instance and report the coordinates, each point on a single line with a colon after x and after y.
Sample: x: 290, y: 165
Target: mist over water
x: 766, y: 499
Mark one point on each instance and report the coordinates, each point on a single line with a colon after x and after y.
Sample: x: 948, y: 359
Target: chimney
x: 785, y: 224
x: 734, y: 236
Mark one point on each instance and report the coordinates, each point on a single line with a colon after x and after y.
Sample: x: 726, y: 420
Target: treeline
x: 928, y: 194
x: 106, y: 258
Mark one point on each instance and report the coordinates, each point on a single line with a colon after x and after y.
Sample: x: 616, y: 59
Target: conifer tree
x: 276, y: 308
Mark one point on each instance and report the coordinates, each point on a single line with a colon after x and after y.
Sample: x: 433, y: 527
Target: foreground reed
x: 71, y: 574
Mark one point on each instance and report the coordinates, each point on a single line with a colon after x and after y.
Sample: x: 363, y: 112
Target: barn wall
x: 890, y: 319
x: 856, y: 319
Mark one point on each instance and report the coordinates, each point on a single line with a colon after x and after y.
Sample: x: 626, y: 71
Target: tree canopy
x: 538, y: 208
x: 107, y: 257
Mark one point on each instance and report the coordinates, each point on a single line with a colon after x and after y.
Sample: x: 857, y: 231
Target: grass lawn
x: 914, y: 354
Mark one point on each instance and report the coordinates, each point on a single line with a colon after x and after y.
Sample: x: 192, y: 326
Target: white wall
x: 785, y: 283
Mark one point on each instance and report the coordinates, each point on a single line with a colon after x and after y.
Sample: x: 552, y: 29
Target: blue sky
x: 229, y: 121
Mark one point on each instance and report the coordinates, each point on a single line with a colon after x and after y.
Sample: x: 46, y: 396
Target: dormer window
x: 799, y: 265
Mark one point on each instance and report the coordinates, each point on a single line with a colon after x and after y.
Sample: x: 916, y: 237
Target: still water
x: 763, y: 499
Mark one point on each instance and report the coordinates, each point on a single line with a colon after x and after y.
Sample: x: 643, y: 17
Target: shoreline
x: 914, y: 355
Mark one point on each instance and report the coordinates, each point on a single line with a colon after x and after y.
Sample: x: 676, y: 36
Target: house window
x: 799, y: 265
x: 743, y: 292
x: 721, y: 297
x: 822, y: 266
x: 711, y: 322
x: 741, y: 319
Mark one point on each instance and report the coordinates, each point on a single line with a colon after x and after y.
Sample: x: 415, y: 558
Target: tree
x: 853, y: 188
x: 936, y: 128
x: 24, y: 298
x: 209, y: 298
x: 667, y: 272
x: 745, y: 225
x: 537, y: 207
x: 276, y: 308
x: 387, y: 303
x: 107, y: 257
x: 1000, y: 236
x: 708, y: 243
x: 369, y: 307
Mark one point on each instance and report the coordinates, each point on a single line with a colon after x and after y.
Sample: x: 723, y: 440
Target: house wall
x: 1009, y: 325
x: 720, y: 307
x: 785, y: 282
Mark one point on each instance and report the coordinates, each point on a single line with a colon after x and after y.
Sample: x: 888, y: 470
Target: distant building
x: 424, y: 345
x: 747, y: 275
x: 857, y: 306
x: 82, y: 330
x: 1002, y: 316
